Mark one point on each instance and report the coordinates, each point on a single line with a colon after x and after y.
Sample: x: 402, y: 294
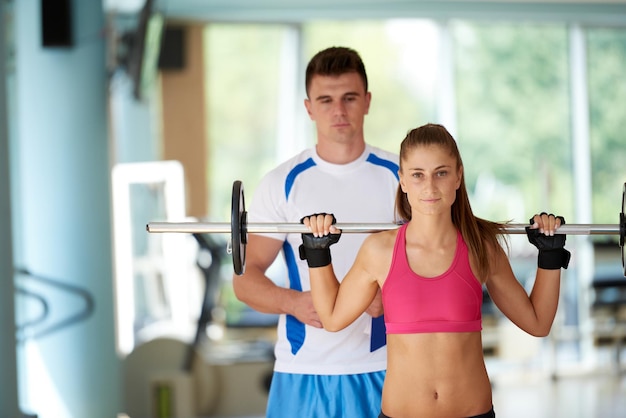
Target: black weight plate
x: 238, y: 228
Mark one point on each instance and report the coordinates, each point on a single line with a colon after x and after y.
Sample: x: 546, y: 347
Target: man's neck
x: 336, y: 153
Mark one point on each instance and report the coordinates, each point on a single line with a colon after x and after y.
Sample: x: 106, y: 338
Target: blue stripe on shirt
x: 390, y: 165
x: 378, y: 336
x: 291, y: 177
x: 295, y: 329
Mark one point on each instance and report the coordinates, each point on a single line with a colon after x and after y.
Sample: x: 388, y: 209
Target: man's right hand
x: 304, y: 310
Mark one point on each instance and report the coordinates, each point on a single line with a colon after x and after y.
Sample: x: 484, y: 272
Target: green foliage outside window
x: 607, y: 78
x: 512, y: 94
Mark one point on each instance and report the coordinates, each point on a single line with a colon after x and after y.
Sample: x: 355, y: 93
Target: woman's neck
x: 435, y: 229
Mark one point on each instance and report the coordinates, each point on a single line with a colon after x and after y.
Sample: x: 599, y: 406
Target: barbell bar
x: 269, y: 228
x: 239, y: 228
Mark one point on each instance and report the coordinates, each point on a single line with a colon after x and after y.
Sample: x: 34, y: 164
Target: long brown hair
x: 478, y: 233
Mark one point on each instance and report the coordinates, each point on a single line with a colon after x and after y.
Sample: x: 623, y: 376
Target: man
x: 317, y: 373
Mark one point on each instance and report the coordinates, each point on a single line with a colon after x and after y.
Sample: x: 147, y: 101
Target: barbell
x: 239, y: 228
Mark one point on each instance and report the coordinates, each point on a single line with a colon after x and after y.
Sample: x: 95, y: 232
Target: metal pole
x: 260, y: 228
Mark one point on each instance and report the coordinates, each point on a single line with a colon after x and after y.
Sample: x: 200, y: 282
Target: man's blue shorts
x: 325, y: 396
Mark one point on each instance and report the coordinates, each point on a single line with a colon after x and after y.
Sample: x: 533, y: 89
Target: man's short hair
x: 335, y: 61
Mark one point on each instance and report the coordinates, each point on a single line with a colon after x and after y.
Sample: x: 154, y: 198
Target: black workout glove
x: 316, y: 250
x: 552, y: 254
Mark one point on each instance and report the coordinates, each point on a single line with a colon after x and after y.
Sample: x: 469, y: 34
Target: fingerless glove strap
x: 553, y: 259
x: 315, y: 257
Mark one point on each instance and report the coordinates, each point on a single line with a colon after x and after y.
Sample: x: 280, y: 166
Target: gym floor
x: 585, y: 396
x: 524, y: 389
x: 554, y: 385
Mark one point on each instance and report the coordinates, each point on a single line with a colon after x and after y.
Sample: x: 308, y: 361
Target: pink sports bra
x: 450, y: 302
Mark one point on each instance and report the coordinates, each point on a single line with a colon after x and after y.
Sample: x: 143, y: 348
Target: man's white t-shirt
x: 362, y: 191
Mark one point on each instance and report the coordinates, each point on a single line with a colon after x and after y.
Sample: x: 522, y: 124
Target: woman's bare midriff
x: 436, y: 375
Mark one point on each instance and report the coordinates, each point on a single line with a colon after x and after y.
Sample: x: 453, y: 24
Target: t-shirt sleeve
x: 267, y: 204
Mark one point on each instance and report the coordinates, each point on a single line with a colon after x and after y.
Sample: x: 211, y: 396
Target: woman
x: 431, y: 271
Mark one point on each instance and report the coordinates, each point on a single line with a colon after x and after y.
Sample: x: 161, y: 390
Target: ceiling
x: 606, y: 12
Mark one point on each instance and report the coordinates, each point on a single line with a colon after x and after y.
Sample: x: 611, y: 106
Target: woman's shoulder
x: 377, y: 252
x: 381, y: 241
